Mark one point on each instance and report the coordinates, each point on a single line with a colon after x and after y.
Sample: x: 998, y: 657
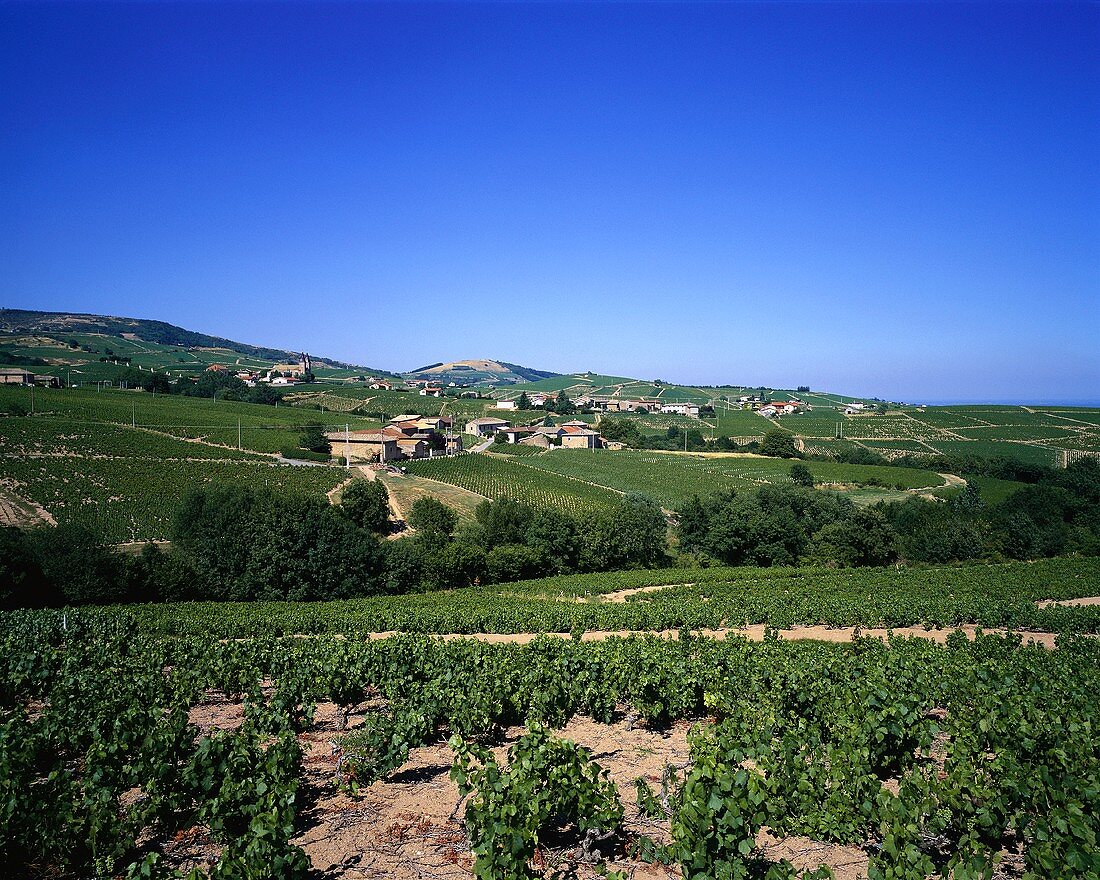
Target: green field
x: 262, y: 428
x: 1025, y: 452
x: 989, y: 595
x: 496, y: 477
x: 671, y: 479
x: 134, y: 499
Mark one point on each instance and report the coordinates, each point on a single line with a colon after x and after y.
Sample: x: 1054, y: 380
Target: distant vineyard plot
x: 671, y: 479
x: 494, y: 477
x: 134, y: 499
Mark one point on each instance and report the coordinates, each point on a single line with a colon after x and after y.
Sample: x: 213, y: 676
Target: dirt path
x: 1069, y: 603
x: 756, y: 633
x: 621, y: 595
x: 337, y: 492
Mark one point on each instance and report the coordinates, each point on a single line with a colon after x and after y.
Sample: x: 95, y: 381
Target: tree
x: 22, y: 583
x: 881, y: 408
x: 313, y: 438
x: 501, y: 439
x: 553, y: 535
x: 513, y: 562
x: 367, y: 504
x: 504, y: 521
x: 779, y: 443
x: 427, y: 515
x: 865, y: 538
x: 563, y: 405
x: 633, y: 534
x: 801, y: 475
x: 79, y: 566
x: 524, y: 402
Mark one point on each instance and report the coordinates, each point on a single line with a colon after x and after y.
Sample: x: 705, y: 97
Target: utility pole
x: 133, y: 415
x: 238, y: 433
x: 347, y: 445
x: 32, y: 397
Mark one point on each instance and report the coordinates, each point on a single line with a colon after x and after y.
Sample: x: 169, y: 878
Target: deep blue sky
x: 890, y: 199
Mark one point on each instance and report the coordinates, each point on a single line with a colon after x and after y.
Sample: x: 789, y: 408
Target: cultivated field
x: 214, y: 736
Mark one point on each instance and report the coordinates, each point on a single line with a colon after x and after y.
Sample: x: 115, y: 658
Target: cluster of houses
x: 608, y: 404
x: 406, y: 436
x: 278, y: 375
x: 571, y: 435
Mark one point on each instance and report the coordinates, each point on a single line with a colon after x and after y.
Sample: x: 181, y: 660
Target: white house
x: 506, y: 404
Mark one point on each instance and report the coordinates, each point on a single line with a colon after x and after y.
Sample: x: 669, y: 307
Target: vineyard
x: 671, y: 479
x: 134, y: 498
x: 495, y: 477
x: 990, y: 596
x: 128, y: 755
x: 265, y: 429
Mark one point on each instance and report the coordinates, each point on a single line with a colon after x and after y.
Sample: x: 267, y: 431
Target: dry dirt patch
x: 19, y: 512
x: 1069, y: 603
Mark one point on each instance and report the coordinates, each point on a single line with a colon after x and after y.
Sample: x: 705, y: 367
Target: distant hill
x: 27, y: 331
x: 479, y: 371
x: 160, y: 332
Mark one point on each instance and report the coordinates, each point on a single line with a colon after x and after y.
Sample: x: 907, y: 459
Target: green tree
x: 503, y: 521
x: 779, y: 443
x: 554, y: 536
x: 524, y: 401
x: 22, y: 583
x: 313, y: 438
x: 801, y: 475
x: 563, y: 405
x: 633, y: 534
x: 430, y: 516
x: 367, y: 504
x: 513, y: 562
x: 865, y: 538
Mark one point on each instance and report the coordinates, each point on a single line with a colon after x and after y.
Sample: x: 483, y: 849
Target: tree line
x: 232, y: 543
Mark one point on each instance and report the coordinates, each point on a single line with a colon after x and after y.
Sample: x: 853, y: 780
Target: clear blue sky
x: 882, y: 198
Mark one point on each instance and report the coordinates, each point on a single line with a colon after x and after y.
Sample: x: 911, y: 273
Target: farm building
x: 486, y: 427
x: 505, y: 404
x: 537, y: 439
x: 364, y: 445
x: 431, y: 391
x: 16, y: 377
x: 580, y: 438
x: 684, y: 409
x: 517, y: 435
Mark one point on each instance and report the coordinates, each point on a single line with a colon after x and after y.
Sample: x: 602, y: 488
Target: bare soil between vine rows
x: 410, y: 827
x: 757, y: 632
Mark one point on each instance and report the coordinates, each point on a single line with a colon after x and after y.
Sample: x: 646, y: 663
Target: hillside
x: 480, y: 372
x: 61, y: 341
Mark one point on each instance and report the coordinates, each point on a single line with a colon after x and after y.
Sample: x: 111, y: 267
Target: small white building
x: 505, y: 404
x: 684, y: 409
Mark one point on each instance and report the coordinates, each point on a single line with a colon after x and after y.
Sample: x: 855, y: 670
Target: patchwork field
x: 673, y: 478
x: 265, y: 429
x: 496, y: 477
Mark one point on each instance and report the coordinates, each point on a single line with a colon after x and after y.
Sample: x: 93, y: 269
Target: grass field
x: 406, y: 489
